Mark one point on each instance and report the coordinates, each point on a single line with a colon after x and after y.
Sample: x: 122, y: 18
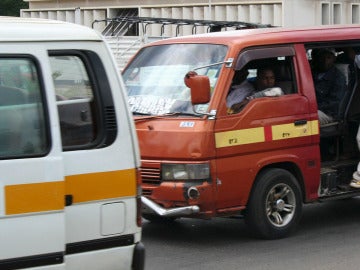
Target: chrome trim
x: 171, y: 212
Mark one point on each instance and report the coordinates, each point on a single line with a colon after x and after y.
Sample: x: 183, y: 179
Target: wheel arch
x: 263, y: 215
x: 288, y: 166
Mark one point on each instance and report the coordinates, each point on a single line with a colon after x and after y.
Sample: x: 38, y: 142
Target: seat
x: 11, y: 120
x: 12, y: 96
x: 283, y: 77
x: 76, y: 123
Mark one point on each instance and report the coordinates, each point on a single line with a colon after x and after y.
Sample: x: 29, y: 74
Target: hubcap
x: 280, y: 205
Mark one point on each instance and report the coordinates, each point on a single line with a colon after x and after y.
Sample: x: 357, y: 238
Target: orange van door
x: 268, y: 130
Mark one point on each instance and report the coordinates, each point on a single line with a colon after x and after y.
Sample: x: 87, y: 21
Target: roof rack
x: 116, y: 25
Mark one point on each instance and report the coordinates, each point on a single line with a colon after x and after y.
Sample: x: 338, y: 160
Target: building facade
x: 274, y: 12
x: 95, y: 14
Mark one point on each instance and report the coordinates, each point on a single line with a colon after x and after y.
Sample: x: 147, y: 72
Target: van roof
x: 273, y: 35
x: 30, y: 29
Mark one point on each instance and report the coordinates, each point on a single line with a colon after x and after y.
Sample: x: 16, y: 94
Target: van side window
x: 22, y: 120
x: 75, y: 100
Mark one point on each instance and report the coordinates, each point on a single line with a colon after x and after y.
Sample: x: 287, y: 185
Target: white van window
x: 75, y: 100
x: 22, y: 121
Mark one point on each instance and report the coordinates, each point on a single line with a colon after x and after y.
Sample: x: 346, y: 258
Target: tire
x: 157, y: 219
x: 275, y: 206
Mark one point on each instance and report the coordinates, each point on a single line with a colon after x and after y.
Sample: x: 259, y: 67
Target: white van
x: 69, y: 180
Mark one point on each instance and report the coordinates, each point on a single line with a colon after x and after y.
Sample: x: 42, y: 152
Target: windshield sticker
x: 202, y: 108
x: 150, y: 104
x: 187, y: 124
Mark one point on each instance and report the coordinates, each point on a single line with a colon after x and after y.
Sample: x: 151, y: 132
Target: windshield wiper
x: 148, y: 117
x: 140, y: 113
x: 186, y: 114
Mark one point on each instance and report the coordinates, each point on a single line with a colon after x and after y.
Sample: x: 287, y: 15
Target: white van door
x: 32, y: 223
x: 99, y: 158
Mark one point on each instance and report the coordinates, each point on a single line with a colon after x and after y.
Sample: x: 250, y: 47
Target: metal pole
x: 210, y: 12
x: 77, y: 15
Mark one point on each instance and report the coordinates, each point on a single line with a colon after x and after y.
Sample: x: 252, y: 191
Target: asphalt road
x: 328, y: 238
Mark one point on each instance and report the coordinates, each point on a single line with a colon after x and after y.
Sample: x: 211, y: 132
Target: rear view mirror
x: 199, y: 87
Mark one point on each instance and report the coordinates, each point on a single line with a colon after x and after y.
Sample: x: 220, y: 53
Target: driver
x: 264, y: 86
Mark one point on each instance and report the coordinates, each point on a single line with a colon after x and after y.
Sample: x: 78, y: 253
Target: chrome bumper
x: 171, y: 212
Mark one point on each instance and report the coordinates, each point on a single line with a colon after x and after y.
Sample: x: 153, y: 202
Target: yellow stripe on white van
x: 102, y: 185
x: 266, y: 134
x: 50, y: 196
x: 35, y: 197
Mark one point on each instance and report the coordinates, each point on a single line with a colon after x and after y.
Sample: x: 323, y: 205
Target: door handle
x: 68, y: 199
x: 300, y: 122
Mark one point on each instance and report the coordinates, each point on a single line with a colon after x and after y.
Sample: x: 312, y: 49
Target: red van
x: 262, y: 162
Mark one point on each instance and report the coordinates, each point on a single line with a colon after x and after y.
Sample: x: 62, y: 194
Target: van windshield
x: 155, y: 78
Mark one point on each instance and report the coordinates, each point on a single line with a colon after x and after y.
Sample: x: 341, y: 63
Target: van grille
x: 151, y: 176
x: 146, y: 192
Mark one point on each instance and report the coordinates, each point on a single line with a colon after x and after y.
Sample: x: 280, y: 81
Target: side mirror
x: 199, y: 87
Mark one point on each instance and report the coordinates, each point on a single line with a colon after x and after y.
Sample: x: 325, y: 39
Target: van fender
x: 285, y: 162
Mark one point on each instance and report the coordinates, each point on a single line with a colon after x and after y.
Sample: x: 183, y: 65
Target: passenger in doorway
x: 350, y: 56
x: 264, y: 86
x: 353, y: 55
x: 330, y: 84
x: 355, y: 182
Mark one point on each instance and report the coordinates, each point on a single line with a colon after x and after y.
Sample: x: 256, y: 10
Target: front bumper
x: 152, y: 207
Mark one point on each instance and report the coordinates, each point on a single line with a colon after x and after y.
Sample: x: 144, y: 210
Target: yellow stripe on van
x: 103, y: 185
x: 35, y: 197
x: 50, y: 196
x: 239, y: 137
x: 268, y: 133
x: 288, y: 131
x: 314, y: 125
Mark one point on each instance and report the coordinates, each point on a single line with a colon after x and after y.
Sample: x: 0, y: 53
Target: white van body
x: 68, y: 152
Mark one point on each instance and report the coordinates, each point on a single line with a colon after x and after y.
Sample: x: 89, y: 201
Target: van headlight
x: 200, y: 171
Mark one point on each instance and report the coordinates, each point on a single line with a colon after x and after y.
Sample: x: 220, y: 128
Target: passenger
x: 350, y: 56
x: 264, y: 87
x: 353, y: 56
x: 355, y: 182
x: 330, y: 84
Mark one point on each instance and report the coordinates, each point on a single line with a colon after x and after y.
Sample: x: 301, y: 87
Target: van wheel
x: 157, y: 219
x: 275, y: 206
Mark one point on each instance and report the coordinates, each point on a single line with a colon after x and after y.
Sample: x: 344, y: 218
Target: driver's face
x: 266, y: 79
